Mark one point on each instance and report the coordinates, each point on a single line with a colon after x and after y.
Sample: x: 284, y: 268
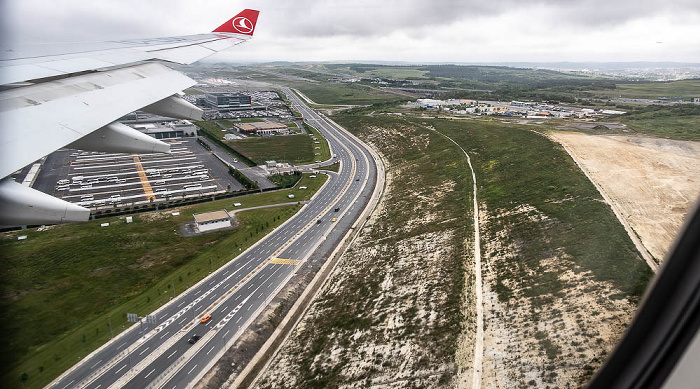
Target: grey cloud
x: 376, y: 18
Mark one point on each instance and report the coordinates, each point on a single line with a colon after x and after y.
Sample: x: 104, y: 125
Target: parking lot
x: 98, y: 180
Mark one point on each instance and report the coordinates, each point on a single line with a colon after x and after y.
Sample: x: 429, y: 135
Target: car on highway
x: 334, y: 220
x: 193, y: 339
x: 205, y: 319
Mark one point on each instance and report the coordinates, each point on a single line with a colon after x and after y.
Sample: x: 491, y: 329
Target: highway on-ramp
x: 159, y: 355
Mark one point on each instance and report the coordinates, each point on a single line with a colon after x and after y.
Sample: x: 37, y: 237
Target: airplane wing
x: 58, y: 96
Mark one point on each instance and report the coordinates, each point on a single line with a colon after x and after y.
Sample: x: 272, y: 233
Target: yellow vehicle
x: 334, y: 219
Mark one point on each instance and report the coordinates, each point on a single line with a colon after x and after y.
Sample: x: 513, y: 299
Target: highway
x: 159, y: 355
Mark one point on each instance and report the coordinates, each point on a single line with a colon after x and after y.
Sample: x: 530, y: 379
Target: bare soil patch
x: 653, y: 182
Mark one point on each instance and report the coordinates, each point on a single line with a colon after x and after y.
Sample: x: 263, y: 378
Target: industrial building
x: 227, y: 101
x: 261, y: 128
x: 214, y: 220
x: 167, y: 130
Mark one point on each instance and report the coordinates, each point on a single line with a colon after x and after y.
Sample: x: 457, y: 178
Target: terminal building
x: 214, y: 220
x: 227, y: 101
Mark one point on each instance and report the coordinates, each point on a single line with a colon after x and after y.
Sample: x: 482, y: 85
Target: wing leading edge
x: 54, y: 100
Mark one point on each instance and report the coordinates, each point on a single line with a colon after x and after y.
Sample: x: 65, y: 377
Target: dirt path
x: 650, y: 182
x: 479, y: 338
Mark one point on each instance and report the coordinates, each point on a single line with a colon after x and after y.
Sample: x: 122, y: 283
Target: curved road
x: 159, y: 355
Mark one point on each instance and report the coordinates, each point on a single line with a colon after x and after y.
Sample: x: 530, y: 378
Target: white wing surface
x: 58, y: 96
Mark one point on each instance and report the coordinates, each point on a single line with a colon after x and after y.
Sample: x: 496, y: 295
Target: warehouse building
x: 167, y: 130
x: 261, y: 128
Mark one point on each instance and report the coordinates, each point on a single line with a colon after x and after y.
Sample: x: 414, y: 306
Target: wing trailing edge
x: 72, y: 96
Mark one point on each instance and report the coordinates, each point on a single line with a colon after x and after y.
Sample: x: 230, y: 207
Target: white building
x: 166, y: 130
x: 214, y: 220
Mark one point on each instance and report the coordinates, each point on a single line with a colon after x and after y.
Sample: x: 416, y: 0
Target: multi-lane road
x: 159, y: 355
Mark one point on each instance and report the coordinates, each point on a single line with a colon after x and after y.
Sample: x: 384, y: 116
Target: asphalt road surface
x: 159, y: 355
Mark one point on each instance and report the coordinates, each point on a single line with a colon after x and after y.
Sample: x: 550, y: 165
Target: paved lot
x: 102, y: 180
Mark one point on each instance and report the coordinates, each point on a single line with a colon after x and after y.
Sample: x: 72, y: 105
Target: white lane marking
x: 195, y: 366
x: 239, y: 319
x: 122, y: 368
x: 150, y: 373
x: 173, y: 353
x: 210, y: 350
x: 144, y: 350
x: 68, y: 384
x: 96, y: 363
x: 226, y: 333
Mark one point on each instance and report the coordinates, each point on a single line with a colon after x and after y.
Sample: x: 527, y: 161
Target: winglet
x: 243, y: 23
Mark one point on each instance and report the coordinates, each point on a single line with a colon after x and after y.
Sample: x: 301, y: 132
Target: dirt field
x: 653, y: 182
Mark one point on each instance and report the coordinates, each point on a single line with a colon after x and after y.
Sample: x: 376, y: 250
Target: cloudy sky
x: 389, y: 30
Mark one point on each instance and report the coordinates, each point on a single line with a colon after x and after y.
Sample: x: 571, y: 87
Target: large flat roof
x: 211, y: 216
x: 259, y: 126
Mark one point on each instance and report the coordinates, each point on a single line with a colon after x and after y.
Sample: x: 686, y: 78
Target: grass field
x: 674, y: 122
x: 342, y: 93
x: 335, y: 167
x: 654, y: 90
x: 324, y: 149
x: 216, y: 134
x: 226, y: 123
x: 418, y: 244
x: 64, y: 287
x: 296, y: 149
x: 193, y: 91
x: 514, y: 167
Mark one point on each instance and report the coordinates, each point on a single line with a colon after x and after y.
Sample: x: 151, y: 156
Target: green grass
x: 396, y: 73
x: 516, y: 166
x: 682, y: 127
x: 654, y: 90
x: 63, y: 287
x: 193, y: 91
x: 216, y: 134
x: 675, y: 122
x: 297, y: 149
x: 323, y: 144
x: 285, y: 180
x: 226, y: 123
x: 351, y: 308
x: 333, y: 167
x: 281, y: 148
x: 346, y: 94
